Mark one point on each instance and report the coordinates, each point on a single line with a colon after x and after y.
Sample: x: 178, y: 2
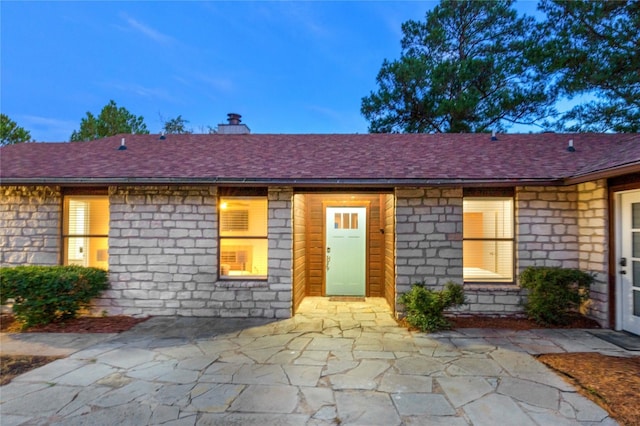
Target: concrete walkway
x: 344, y: 363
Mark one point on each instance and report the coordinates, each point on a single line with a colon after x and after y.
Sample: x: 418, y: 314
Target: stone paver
x: 333, y: 363
x: 496, y: 409
x: 462, y: 390
x: 366, y: 408
x: 267, y: 399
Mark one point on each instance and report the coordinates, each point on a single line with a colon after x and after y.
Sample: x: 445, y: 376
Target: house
x: 241, y: 224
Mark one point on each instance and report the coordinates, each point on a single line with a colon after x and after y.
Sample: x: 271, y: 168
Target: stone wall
x: 492, y: 300
x: 162, y: 251
x: 546, y: 227
x: 555, y: 226
x: 567, y: 227
x: 163, y: 246
x: 593, y: 250
x: 30, y: 225
x: 277, y: 297
x: 428, y: 236
x: 163, y: 256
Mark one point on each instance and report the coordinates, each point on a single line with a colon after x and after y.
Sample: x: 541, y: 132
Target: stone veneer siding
x: 163, y: 244
x: 561, y: 226
x: 546, y: 234
x: 276, y: 299
x: 546, y: 227
x: 428, y: 237
x: 593, y: 248
x: 30, y: 223
x: 429, y: 249
x: 163, y: 256
x: 566, y: 227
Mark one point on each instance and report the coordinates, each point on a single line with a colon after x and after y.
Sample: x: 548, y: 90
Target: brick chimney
x: 235, y: 127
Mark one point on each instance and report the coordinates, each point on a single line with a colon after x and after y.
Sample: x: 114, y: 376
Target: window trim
x: 68, y: 193
x: 256, y: 194
x: 480, y: 193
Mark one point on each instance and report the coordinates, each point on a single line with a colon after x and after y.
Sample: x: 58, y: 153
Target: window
x: 243, y: 237
x: 85, y: 231
x: 345, y: 221
x: 487, y: 246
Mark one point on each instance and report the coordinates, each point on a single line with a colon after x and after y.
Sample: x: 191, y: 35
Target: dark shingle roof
x: 328, y: 159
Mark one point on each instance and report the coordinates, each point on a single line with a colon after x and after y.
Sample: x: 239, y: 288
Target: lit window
x: 85, y: 231
x: 487, y: 247
x: 243, y: 237
x: 345, y: 221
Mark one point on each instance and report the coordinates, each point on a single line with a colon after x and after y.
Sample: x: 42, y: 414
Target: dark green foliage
x: 43, y: 294
x: 175, y: 126
x: 466, y: 68
x: 554, y: 293
x: 593, y: 48
x: 425, y: 308
x: 111, y: 121
x: 11, y: 133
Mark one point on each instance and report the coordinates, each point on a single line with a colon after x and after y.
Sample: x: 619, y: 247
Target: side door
x: 345, y: 251
x: 628, y: 274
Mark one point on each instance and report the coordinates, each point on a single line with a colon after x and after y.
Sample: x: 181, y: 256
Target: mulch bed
x: 482, y: 321
x: 611, y: 382
x: 15, y: 365
x: 114, y: 324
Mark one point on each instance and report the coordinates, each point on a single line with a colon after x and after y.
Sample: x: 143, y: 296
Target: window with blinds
x: 243, y: 237
x: 488, y: 239
x: 85, y: 231
x: 234, y: 220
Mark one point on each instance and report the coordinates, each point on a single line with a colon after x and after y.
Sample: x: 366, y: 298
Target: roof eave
x: 295, y: 182
x: 604, y: 173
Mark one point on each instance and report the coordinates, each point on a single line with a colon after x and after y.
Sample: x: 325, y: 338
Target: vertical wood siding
x: 389, y: 250
x: 299, y: 250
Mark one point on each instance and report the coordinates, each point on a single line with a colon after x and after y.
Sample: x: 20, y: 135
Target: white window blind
x: 243, y: 237
x: 487, y: 247
x: 234, y: 220
x: 243, y: 217
x: 86, y: 230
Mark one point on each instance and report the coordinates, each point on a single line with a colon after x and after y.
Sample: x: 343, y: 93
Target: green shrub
x: 425, y: 308
x: 43, y: 294
x: 554, y: 293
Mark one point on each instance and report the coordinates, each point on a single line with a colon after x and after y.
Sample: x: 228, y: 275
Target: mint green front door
x: 345, y: 251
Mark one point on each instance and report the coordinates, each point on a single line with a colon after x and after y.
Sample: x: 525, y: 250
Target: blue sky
x: 287, y: 67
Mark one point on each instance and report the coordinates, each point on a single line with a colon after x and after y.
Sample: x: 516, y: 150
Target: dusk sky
x: 287, y: 67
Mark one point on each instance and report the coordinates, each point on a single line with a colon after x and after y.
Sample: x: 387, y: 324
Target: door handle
x: 623, y: 261
x: 328, y: 260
